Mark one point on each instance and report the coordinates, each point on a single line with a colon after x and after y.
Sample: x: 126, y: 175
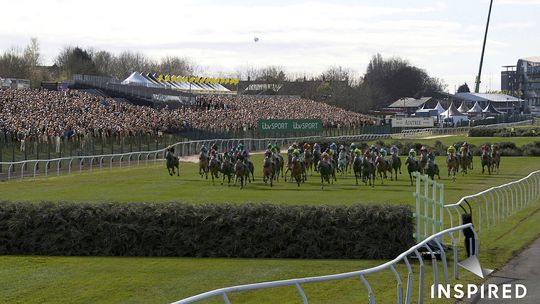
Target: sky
x: 303, y: 37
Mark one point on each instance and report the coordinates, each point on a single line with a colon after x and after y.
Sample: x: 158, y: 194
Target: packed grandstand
x: 42, y: 113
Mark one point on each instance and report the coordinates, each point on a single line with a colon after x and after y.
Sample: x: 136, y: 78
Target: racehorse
x: 308, y: 158
x: 269, y: 170
x: 422, y: 163
x: 227, y: 170
x: 412, y: 166
x: 395, y: 164
x: 279, y: 162
x: 495, y: 161
x: 325, y: 169
x: 357, y: 167
x: 432, y: 169
x: 251, y: 169
x: 452, y: 164
x: 316, y: 159
x: 368, y: 171
x: 296, y: 170
x: 465, y: 161
x: 203, y: 164
x: 241, y: 171
x: 172, y: 162
x: 486, y: 161
x: 343, y: 162
x: 383, y: 167
x: 214, y: 167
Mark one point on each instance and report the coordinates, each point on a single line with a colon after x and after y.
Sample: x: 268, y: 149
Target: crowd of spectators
x: 43, y: 114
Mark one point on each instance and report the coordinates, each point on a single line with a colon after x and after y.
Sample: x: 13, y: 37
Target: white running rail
x: 488, y: 208
x: 361, y: 274
x: 31, y: 168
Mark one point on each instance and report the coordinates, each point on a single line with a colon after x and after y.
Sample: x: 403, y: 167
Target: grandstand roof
x: 410, y: 102
x: 486, y: 97
x: 532, y: 59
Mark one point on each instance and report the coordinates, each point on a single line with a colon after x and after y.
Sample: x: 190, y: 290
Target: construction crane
x: 477, y: 86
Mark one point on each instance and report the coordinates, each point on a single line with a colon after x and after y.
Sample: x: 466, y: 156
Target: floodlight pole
x: 477, y: 86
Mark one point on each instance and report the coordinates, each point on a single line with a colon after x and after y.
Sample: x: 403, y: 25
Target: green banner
x: 289, y: 125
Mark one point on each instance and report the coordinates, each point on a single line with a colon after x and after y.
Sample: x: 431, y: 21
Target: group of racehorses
x: 301, y: 161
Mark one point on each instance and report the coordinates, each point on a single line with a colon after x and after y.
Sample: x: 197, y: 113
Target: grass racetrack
x: 39, y: 279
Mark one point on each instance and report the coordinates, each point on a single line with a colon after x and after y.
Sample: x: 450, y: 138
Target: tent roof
x: 476, y: 108
x: 491, y: 110
x: 439, y: 108
x: 136, y: 78
x: 452, y: 111
x: 463, y: 108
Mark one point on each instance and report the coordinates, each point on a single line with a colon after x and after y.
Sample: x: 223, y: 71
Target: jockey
x: 316, y: 147
x: 296, y: 153
x: 341, y: 148
x: 290, y: 150
x: 295, y: 145
x: 245, y: 155
x: 333, y: 146
x: 204, y: 150
x: 451, y: 151
x: 307, y: 146
x: 352, y: 147
x: 373, y: 148
x: 383, y: 152
x: 485, y: 148
x: 431, y: 155
x: 357, y: 151
x: 394, y: 150
x: 325, y: 157
x: 269, y: 147
x: 214, y: 147
x: 267, y: 153
x: 412, y: 154
x: 241, y: 147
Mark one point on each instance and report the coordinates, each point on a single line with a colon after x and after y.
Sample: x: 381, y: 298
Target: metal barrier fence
x: 183, y: 149
x: 488, y: 208
x: 42, y: 167
x: 361, y: 274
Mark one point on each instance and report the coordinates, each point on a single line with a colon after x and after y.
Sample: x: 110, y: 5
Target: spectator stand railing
x: 487, y: 208
x: 402, y: 296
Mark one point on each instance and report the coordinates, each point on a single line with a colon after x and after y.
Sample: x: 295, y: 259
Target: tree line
x: 384, y: 81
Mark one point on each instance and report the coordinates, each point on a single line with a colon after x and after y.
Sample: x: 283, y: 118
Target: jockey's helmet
x: 316, y: 146
x: 373, y: 148
x: 412, y: 152
x: 267, y: 153
x: 296, y: 152
x: 269, y: 146
x: 357, y: 151
x: 342, y: 147
x: 353, y: 146
x: 383, y: 152
x: 424, y: 148
x: 295, y: 145
x: 324, y: 155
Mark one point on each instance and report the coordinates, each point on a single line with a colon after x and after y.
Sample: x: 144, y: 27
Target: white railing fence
x: 488, y: 208
x: 402, y: 296
x: 44, y: 167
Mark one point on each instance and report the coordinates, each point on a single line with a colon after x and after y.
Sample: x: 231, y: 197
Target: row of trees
x: 384, y: 81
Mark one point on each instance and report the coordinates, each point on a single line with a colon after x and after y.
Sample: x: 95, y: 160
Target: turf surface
x: 32, y: 279
x: 153, y: 184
